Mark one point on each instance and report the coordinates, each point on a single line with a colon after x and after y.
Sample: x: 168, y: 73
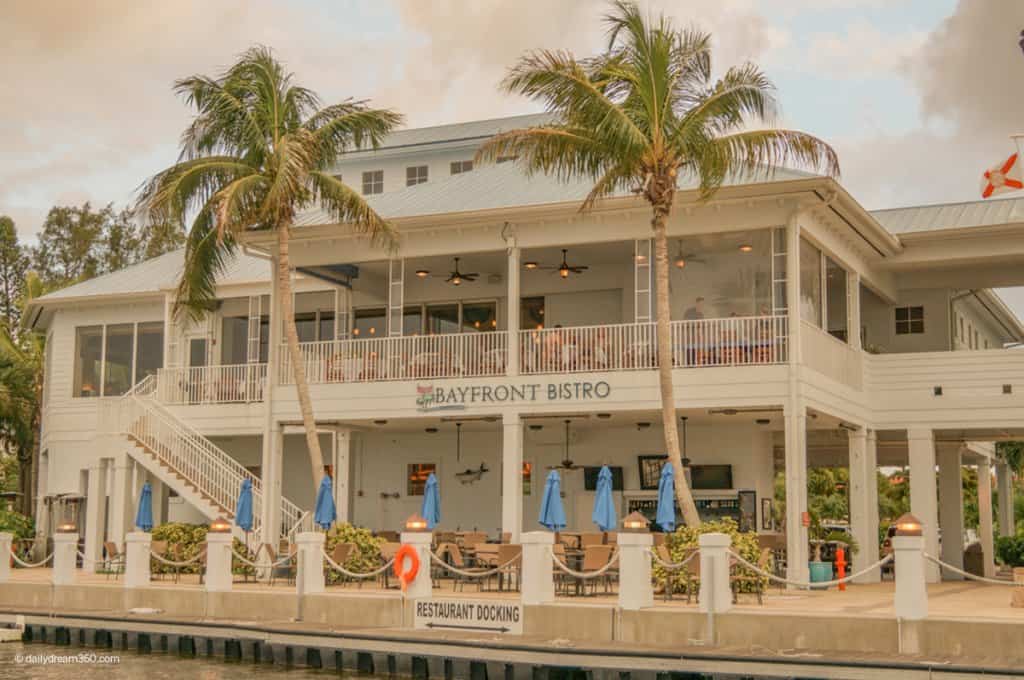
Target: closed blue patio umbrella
x: 552, y: 514
x: 325, y: 513
x: 666, y: 515
x: 243, y: 508
x: 604, y: 506
x: 144, y: 515
x: 431, y: 508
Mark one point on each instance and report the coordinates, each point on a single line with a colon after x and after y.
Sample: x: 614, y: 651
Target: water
x: 129, y: 665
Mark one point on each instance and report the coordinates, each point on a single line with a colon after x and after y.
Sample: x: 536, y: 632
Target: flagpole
x: 1018, y: 139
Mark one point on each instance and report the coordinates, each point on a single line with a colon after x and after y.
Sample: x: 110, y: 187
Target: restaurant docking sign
x: 457, y: 398
x: 486, y: 616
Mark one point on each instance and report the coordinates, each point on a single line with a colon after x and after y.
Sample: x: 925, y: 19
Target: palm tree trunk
x: 664, y: 343
x: 284, y: 287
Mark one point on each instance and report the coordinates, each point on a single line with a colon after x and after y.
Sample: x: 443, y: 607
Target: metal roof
x: 925, y: 218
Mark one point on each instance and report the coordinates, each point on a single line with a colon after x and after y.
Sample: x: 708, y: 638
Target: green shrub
x: 1010, y: 550
x: 365, y: 557
x: 684, y: 539
x: 15, y: 523
x: 190, y: 539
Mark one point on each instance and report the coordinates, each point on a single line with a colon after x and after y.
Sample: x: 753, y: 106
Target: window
x: 417, y: 478
x: 416, y: 174
x: 412, y: 320
x: 315, y: 326
x: 88, y: 361
x: 373, y: 182
x: 531, y: 313
x: 370, y: 323
x: 479, y: 316
x: 197, y: 350
x: 109, y: 360
x: 459, y: 167
x: 835, y: 299
x: 909, y: 320
x: 527, y: 477
x: 810, y: 283
x: 326, y: 323
x: 442, y: 318
x: 117, y: 363
x: 149, y: 349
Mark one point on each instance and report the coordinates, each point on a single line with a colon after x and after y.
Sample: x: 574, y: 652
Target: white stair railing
x: 215, y: 475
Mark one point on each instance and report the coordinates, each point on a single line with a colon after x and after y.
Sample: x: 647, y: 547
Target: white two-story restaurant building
x: 512, y: 333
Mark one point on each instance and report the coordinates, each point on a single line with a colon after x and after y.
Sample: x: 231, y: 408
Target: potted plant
x: 1010, y: 552
x: 820, y: 535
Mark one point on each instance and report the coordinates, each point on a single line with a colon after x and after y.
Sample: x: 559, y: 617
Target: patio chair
x: 692, y: 576
x: 591, y: 538
x: 594, y: 558
x: 559, y: 576
x: 663, y: 554
x: 611, y: 538
x: 157, y: 548
x: 287, y: 570
x: 743, y: 576
x: 114, y: 562
x: 387, y: 552
x: 510, y: 560
x: 340, y: 555
x: 459, y: 580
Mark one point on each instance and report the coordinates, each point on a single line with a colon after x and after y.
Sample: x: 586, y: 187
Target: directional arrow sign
x: 492, y: 616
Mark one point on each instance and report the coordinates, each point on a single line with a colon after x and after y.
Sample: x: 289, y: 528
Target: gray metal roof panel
x: 925, y: 218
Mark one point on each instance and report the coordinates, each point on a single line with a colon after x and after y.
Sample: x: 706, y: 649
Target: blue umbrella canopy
x: 552, y: 514
x: 431, y: 507
x: 325, y: 513
x: 144, y: 515
x: 666, y: 515
x: 604, y: 507
x: 243, y: 508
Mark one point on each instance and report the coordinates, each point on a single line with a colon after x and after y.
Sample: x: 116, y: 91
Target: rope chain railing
x: 112, y: 561
x: 354, y: 574
x: 30, y: 565
x: 171, y: 563
x: 268, y: 565
x: 672, y: 566
x: 471, y: 573
x: 968, y: 575
x: 806, y: 584
x: 562, y: 566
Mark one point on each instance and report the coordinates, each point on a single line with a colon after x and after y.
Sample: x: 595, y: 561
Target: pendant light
x: 458, y: 441
x: 686, y: 461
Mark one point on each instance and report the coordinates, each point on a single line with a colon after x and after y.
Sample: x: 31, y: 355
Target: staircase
x: 185, y: 460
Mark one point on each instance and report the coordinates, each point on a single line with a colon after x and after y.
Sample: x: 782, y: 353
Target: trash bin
x: 974, y: 560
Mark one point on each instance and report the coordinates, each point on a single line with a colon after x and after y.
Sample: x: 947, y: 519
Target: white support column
x: 121, y: 499
x: 65, y: 558
x: 512, y: 475
x: 635, y: 589
x: 538, y: 585
x: 309, y: 579
x: 911, y: 603
x: 218, y: 562
x: 985, y: 517
x: 342, y: 444
x: 422, y: 586
x: 512, y: 315
x: 951, y: 509
x: 864, y: 503
x: 42, y: 508
x: 95, y: 511
x: 796, y: 492
x: 5, y: 556
x: 853, y: 309
x: 715, y: 595
x: 136, y: 559
x: 1004, y: 480
x: 159, y: 500
x: 923, y: 496
x: 270, y: 511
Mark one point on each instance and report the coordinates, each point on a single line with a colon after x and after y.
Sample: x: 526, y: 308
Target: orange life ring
x: 404, y: 575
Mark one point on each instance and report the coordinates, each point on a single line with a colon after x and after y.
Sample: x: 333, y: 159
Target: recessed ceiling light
x: 642, y: 426
x: 423, y: 273
x: 604, y: 416
x: 530, y: 265
x: 380, y: 422
x: 746, y: 248
x: 680, y: 262
x: 729, y: 411
x: 536, y: 428
x: 431, y: 430
x: 762, y: 421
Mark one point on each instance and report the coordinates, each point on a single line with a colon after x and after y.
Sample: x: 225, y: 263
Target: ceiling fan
x: 682, y: 259
x: 455, y: 277
x: 563, y: 269
x: 567, y: 463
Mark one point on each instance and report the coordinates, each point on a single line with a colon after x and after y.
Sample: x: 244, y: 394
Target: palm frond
x: 348, y: 207
x: 206, y: 258
x: 347, y: 126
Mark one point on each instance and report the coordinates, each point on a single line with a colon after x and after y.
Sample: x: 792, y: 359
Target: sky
x: 915, y: 95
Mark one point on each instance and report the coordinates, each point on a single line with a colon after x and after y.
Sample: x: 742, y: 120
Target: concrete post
x: 635, y: 589
x: 715, y: 595
x: 342, y: 457
x: 421, y: 586
x: 951, y: 509
x: 923, y: 496
x: 911, y: 602
x: 95, y: 510
x: 310, y: 578
x: 512, y: 476
x: 218, y: 562
x: 512, y: 317
x: 538, y: 576
x: 1004, y: 482
x: 864, y: 503
x: 5, y: 556
x: 136, y: 554
x: 985, y: 531
x: 65, y: 547
x: 121, y: 501
x: 796, y: 491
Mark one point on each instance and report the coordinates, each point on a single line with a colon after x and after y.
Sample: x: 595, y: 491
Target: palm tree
x: 259, y: 151
x: 636, y: 117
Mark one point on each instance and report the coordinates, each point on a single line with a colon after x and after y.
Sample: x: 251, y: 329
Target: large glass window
x: 531, y: 313
x: 442, y: 318
x: 234, y: 340
x: 412, y: 320
x: 117, y: 371
x: 88, y: 361
x: 479, y: 316
x: 810, y: 283
x: 722, y: 275
x: 370, y: 323
x: 417, y: 474
x: 149, y: 349
x: 836, y: 300
x: 326, y: 323
x: 306, y: 326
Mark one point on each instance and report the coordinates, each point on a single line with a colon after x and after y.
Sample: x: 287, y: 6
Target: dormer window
x: 459, y: 167
x: 909, y: 320
x: 416, y: 174
x: 373, y: 182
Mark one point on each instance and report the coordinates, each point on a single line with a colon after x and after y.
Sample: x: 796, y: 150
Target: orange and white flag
x: 1002, y: 178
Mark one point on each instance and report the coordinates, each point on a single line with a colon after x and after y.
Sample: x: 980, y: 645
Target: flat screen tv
x: 590, y: 477
x: 711, y: 476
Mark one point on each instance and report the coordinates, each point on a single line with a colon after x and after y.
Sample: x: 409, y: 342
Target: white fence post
x: 715, y: 596
x: 421, y: 586
x: 911, y: 590
x: 310, y: 580
x: 218, y: 562
x: 538, y: 585
x: 136, y: 566
x: 5, y: 556
x: 65, y: 547
x: 635, y: 589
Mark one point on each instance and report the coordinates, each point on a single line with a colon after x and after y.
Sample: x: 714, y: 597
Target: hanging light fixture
x: 530, y: 265
x: 423, y: 273
x: 746, y: 248
x: 680, y: 261
x: 458, y: 441
x: 686, y: 461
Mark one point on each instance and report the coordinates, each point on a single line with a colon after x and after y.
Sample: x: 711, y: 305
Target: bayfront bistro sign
x: 457, y: 398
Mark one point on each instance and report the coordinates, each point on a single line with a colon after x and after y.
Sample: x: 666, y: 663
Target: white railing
x: 733, y: 341
x: 233, y: 384
x: 452, y: 355
x: 214, y: 473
